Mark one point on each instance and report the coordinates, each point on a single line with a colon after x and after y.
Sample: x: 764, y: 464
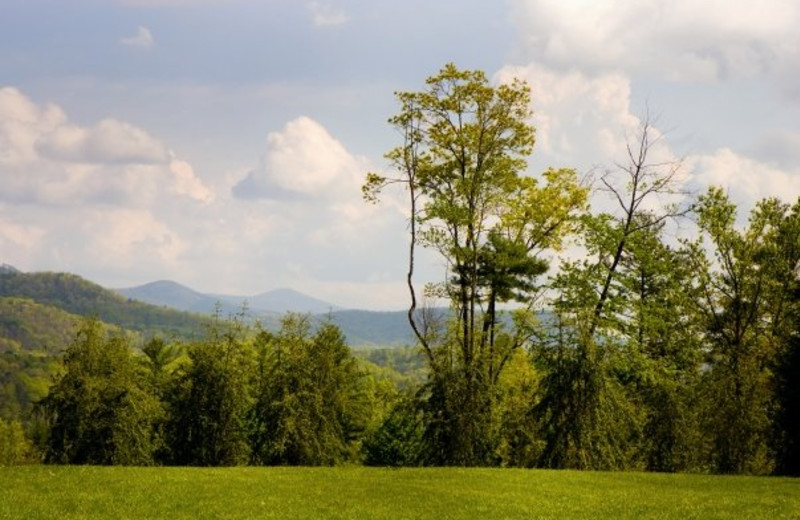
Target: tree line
x: 575, y: 338
x: 645, y: 351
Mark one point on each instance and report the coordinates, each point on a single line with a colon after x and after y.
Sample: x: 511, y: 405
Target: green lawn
x: 61, y: 492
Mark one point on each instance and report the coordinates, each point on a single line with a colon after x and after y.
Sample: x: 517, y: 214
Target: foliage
x: 210, y: 398
x: 465, y: 147
x: 27, y: 325
x: 788, y: 413
x: 615, y: 336
x: 744, y: 298
x: 99, y: 411
x: 25, y: 378
x: 309, y: 406
x: 398, y: 440
x: 15, y: 447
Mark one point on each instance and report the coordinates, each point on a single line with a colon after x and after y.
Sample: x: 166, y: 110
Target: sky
x: 222, y: 143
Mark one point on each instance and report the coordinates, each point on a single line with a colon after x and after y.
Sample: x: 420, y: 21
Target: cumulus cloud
x: 580, y: 58
x: 581, y: 121
x: 47, y: 159
x: 143, y: 39
x: 325, y: 15
x: 675, y: 39
x: 109, y: 141
x: 303, y: 161
x: 746, y: 179
x: 186, y: 182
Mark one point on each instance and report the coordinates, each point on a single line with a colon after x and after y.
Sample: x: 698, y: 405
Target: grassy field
x: 353, y: 492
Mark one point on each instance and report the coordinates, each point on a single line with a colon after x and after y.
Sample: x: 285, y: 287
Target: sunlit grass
x: 354, y: 492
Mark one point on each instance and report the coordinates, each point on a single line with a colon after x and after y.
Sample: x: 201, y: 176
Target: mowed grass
x: 64, y: 492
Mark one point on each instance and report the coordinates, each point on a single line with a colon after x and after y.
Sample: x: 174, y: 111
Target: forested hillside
x: 27, y: 325
x: 75, y: 295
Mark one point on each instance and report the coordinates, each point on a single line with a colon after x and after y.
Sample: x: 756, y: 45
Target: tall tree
x: 746, y: 303
x: 210, y: 399
x: 464, y: 150
x: 99, y: 411
x: 309, y: 408
x: 586, y: 419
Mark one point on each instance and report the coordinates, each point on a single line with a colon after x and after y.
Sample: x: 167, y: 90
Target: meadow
x: 83, y: 492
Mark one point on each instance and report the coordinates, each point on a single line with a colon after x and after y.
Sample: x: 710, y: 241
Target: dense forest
x: 660, y: 332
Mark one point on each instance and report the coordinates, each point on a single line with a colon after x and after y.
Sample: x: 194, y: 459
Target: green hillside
x: 25, y: 377
x: 30, y: 326
x: 38, y: 317
x: 370, y: 328
x: 75, y: 295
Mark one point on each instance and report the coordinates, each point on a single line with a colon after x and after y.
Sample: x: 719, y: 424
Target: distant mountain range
x: 362, y: 328
x: 166, y: 307
x: 174, y: 295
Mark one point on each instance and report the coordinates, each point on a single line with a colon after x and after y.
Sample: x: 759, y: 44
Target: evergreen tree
x: 309, y: 405
x: 210, y: 398
x: 98, y: 411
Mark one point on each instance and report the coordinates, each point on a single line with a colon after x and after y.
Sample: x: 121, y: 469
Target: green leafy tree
x: 787, y: 366
x: 99, y: 411
x: 745, y: 301
x: 309, y: 408
x: 15, y: 447
x: 210, y: 399
x: 607, y: 319
x: 464, y: 150
x: 399, y: 439
x: 662, y: 352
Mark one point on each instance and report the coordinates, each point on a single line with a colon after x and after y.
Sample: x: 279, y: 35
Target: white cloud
x: 15, y: 236
x: 110, y: 141
x: 673, y: 39
x: 143, y: 39
x: 580, y: 121
x: 186, y: 182
x: 580, y: 59
x: 303, y: 160
x: 47, y: 159
x: 746, y: 180
x: 325, y: 15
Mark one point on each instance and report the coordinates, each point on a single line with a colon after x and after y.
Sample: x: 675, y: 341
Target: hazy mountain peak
x: 175, y: 295
x: 284, y: 299
x: 8, y: 269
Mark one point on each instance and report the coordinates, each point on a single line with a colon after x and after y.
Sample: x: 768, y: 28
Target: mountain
x: 75, y: 295
x: 177, y: 296
x: 373, y: 328
x: 362, y: 328
x: 170, y: 294
x: 288, y: 300
x: 8, y: 269
x: 29, y: 326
